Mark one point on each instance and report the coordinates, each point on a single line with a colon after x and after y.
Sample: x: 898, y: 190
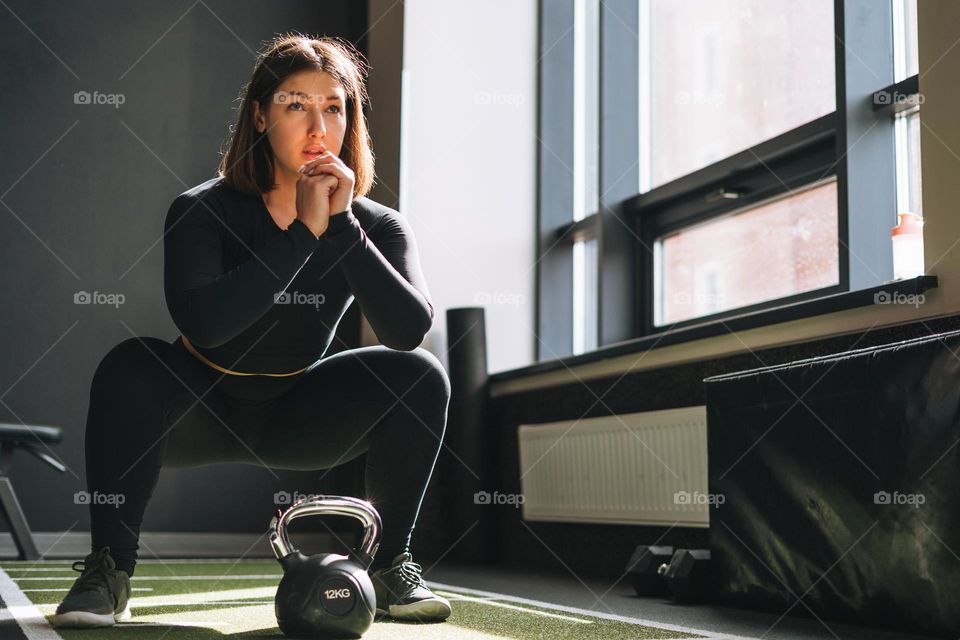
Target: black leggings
x: 154, y: 404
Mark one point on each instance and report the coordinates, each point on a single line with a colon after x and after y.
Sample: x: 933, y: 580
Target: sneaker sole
x: 434, y: 609
x: 87, y: 619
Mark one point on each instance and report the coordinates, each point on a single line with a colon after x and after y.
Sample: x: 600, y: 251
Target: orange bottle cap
x: 909, y: 223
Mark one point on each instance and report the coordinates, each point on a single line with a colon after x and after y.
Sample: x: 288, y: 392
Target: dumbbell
x: 642, y: 570
x: 687, y: 575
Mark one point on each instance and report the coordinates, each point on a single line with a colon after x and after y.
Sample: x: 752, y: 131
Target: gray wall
x: 83, y: 194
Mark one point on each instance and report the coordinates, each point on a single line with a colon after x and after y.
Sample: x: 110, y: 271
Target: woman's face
x: 308, y: 111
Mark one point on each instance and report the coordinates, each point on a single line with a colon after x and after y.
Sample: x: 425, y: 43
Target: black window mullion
x: 618, y: 245
x: 554, y: 270
x: 755, y: 183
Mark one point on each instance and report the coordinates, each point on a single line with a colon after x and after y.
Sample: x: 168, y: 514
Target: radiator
x: 637, y: 468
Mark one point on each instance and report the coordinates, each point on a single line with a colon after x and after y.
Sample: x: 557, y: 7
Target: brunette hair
x: 248, y: 163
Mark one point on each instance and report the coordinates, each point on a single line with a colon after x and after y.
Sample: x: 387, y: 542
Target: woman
x: 260, y: 265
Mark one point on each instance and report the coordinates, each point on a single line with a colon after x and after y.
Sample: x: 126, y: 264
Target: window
x: 585, y: 72
x: 907, y: 123
x: 719, y: 76
x: 905, y: 46
x: 767, y: 251
x: 705, y: 159
x: 585, y: 295
x: 585, y: 165
x: 908, y: 161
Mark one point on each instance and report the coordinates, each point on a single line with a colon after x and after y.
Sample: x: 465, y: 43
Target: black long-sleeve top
x: 255, y: 298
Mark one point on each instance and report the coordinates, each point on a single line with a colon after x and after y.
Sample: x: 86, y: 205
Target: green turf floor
x: 188, y: 600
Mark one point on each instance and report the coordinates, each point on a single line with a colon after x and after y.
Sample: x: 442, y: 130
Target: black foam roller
x: 468, y: 436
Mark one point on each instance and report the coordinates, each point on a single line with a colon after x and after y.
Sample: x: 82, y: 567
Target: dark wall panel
x: 84, y: 189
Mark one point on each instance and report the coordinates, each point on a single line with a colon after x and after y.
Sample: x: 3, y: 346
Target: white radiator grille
x: 638, y: 468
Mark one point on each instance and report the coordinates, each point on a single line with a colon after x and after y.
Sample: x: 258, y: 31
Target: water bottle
x: 908, y: 246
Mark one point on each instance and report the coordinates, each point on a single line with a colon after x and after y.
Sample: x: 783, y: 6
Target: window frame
x: 628, y: 222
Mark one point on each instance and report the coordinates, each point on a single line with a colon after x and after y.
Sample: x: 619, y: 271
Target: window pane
x: 905, y: 56
x: 586, y: 93
x: 907, y: 129
x: 770, y: 250
x: 906, y: 123
x: 719, y: 76
x: 584, y: 295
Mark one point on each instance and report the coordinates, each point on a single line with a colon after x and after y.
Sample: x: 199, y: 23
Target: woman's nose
x: 317, y: 126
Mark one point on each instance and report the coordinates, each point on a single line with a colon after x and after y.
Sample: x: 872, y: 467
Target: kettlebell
x: 328, y: 595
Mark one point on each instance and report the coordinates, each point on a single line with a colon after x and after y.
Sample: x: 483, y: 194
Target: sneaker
x: 402, y: 593
x: 99, y: 597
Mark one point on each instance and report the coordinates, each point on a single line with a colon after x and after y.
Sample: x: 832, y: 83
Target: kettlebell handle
x: 328, y: 505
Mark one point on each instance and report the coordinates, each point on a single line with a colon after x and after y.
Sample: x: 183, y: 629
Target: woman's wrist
x: 314, y: 234
x: 338, y: 222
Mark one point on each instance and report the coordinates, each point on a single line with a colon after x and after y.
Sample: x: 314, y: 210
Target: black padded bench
x: 35, y: 440
x: 841, y: 478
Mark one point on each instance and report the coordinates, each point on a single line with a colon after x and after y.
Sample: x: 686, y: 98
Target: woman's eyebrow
x: 307, y: 95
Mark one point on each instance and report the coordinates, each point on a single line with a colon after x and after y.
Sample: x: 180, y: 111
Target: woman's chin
x: 291, y: 171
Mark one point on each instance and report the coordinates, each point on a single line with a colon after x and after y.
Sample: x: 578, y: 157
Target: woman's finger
x: 342, y: 173
x: 327, y: 157
x: 328, y: 169
x: 315, y: 165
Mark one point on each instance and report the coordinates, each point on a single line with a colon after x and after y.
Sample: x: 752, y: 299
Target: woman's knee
x: 429, y: 373
x: 428, y: 389
x: 128, y: 360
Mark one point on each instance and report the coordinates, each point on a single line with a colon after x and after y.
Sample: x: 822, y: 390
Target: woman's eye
x: 336, y: 107
x: 295, y: 104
